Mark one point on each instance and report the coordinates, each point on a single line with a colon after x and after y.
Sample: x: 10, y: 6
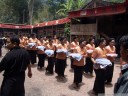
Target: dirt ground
x: 48, y: 85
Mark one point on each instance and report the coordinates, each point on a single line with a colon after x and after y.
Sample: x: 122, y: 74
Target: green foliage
x: 67, y: 31
x: 79, y: 3
x: 12, y: 11
x: 65, y: 8
x: 41, y: 14
x: 68, y: 6
x: 35, y: 11
x: 54, y: 6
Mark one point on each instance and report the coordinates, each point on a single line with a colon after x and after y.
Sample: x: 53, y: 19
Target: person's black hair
x: 110, y: 39
x: 81, y: 41
x: 33, y: 34
x: 101, y: 40
x: 15, y: 40
x: 41, y: 36
x: 62, y: 38
x: 75, y: 38
x: 54, y: 35
x: 90, y: 40
x: 20, y: 35
x: 124, y: 41
x: 50, y: 39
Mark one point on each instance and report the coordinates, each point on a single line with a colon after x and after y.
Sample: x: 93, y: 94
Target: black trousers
x: 99, y: 85
x: 78, y: 73
x: 60, y: 67
x: 50, y: 65
x: 89, y: 65
x: 55, y: 56
x: 109, y: 72
x: 32, y: 54
x: 41, y: 61
x: 72, y: 66
x: 13, y: 86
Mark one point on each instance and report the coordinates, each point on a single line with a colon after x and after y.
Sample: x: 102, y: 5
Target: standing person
x: 1, y: 44
x: 55, y: 43
x: 68, y: 46
x: 99, y: 52
x: 61, y: 58
x: 22, y: 41
x: 14, y: 65
x: 121, y: 64
x: 4, y: 40
x: 121, y: 86
x: 50, y: 65
x: 110, y: 49
x: 89, y: 63
x: 32, y: 50
x: 78, y: 65
x: 73, y: 45
x: 40, y: 53
x: 45, y: 40
x: 55, y: 40
x: 26, y: 38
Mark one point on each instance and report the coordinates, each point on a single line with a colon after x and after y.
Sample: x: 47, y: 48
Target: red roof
x: 50, y: 23
x: 15, y: 26
x: 99, y: 11
x: 55, y: 22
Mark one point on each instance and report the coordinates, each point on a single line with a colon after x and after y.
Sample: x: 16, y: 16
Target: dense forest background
x: 36, y: 11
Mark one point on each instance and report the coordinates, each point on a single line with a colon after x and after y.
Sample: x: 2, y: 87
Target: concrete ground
x: 48, y: 85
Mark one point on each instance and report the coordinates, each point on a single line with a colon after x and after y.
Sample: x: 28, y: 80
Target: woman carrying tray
x: 50, y: 46
x: 40, y: 53
x: 32, y: 49
x: 73, y: 45
x: 61, y: 58
x: 79, y: 64
x: 111, y: 54
x: 22, y: 41
x: 89, y: 63
x: 99, y: 54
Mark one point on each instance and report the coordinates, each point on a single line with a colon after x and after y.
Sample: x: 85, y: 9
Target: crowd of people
x: 86, y: 57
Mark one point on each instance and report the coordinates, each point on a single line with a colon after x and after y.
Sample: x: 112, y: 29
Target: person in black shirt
x: 14, y: 64
x: 1, y: 44
x: 121, y: 86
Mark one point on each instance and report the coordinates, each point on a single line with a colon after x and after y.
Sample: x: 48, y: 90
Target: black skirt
x: 60, y: 67
x: 99, y: 85
x: 109, y: 73
x: 50, y: 64
x: 78, y: 73
x: 32, y: 54
x: 89, y: 65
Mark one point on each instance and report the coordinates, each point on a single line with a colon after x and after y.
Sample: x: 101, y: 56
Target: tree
x: 79, y: 3
x: 54, y: 6
x: 30, y: 8
x: 65, y: 8
x: 42, y: 14
x: 12, y: 11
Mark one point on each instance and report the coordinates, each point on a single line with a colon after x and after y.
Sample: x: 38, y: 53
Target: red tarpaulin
x: 100, y: 11
x: 55, y: 22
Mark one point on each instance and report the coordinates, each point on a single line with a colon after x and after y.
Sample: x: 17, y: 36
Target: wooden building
x: 100, y: 18
x: 50, y: 28
x: 10, y: 29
